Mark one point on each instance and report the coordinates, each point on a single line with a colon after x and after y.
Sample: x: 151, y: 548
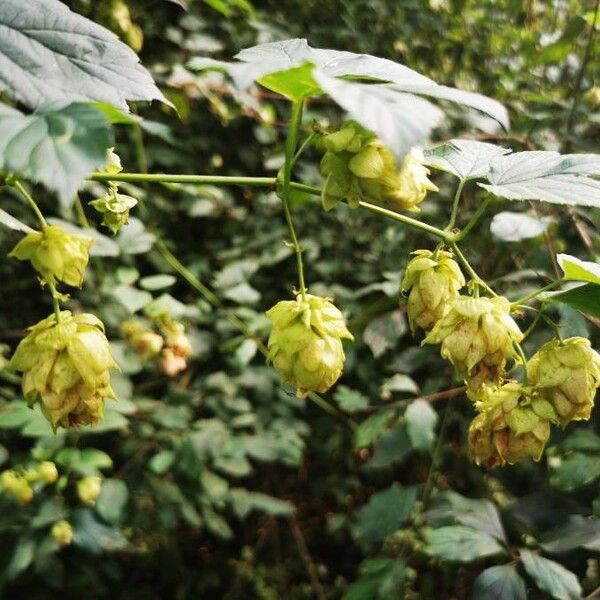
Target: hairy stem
x: 473, y: 220
x: 32, y: 203
x: 455, y: 203
x: 55, y: 300
x: 284, y: 193
x: 469, y: 269
x: 536, y: 293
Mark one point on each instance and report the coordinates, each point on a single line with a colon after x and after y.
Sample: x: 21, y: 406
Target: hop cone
x: 476, y: 334
x: 514, y: 423
x: 56, y: 254
x: 66, y: 368
x: 568, y: 375
x: 114, y: 208
x: 62, y: 532
x: 305, y: 344
x: 433, y: 282
x: 357, y: 165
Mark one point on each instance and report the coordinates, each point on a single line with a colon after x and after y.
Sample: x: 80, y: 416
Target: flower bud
x: 88, y: 488
x: 568, y: 375
x: 171, y: 363
x: 433, y: 281
x: 17, y: 486
x: 514, y: 423
x: 408, y: 188
x: 47, y: 471
x: 62, y: 532
x: 65, y: 368
x: 477, y: 334
x: 56, y: 254
x: 148, y: 344
x: 114, y: 208
x: 592, y: 97
x: 113, y: 165
x: 305, y: 344
x: 175, y: 338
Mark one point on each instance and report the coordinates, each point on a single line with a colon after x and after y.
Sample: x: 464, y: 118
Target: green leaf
x: 576, y: 532
x: 131, y: 298
x: 134, y: 239
x: 421, y: 420
x: 384, y: 513
x: 547, y: 176
x: 93, y: 536
x: 92, y: 460
x: 391, y: 448
x: 457, y: 543
x: 398, y: 383
x: 112, y: 500
x: 48, y: 52
x: 585, y: 298
x: 466, y: 159
x: 21, y: 558
x: 550, y: 577
x: 479, y: 102
x: 350, y: 400
x: 379, y: 579
x: 514, y: 227
x: 575, y: 471
x: 294, y: 84
x: 12, y: 223
x: 244, y: 502
x: 161, y: 462
x: 58, y: 146
x: 400, y: 120
x: 371, y: 429
x: 157, y: 282
x: 383, y: 333
x: 499, y: 583
x: 575, y: 269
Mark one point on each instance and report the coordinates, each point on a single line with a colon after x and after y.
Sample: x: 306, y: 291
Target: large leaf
x: 421, y: 420
x: 576, y: 532
x: 12, y: 223
x: 400, y: 120
x: 490, y: 107
x: 48, y: 52
x: 575, y: 269
x: 546, y: 176
x: 466, y: 159
x: 514, y: 227
x: 458, y: 543
x: 384, y: 513
x: 575, y: 471
x: 499, y: 583
x: 58, y: 146
x: 551, y: 577
x: 585, y: 298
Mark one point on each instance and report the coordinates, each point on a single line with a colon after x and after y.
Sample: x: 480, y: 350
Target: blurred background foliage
x: 219, y: 483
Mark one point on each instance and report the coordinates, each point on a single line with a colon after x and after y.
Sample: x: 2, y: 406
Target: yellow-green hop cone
x: 115, y: 209
x: 113, y: 164
x: 56, y: 254
x: 477, y: 334
x: 513, y: 424
x: 592, y: 97
x: 568, y: 375
x: 62, y: 532
x: 66, y: 369
x: 17, y: 486
x: 47, y: 471
x: 407, y: 188
x: 88, y: 489
x: 433, y: 282
x: 305, y: 344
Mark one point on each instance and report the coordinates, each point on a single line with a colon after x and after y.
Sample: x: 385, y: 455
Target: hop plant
x: 56, y: 254
x: 89, y: 488
x: 65, y: 368
x: 513, y: 423
x: 592, y: 97
x: 114, y: 208
x: 357, y: 165
x: 305, y: 344
x: 567, y: 373
x: 433, y: 280
x: 477, y: 334
x: 17, y: 486
x: 47, y: 472
x: 146, y: 342
x: 62, y: 532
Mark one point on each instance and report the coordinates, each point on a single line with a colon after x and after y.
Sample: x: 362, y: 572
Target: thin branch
x: 443, y: 395
x: 313, y: 574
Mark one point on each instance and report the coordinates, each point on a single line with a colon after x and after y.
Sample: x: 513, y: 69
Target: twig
x: 308, y: 561
x: 443, y: 395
